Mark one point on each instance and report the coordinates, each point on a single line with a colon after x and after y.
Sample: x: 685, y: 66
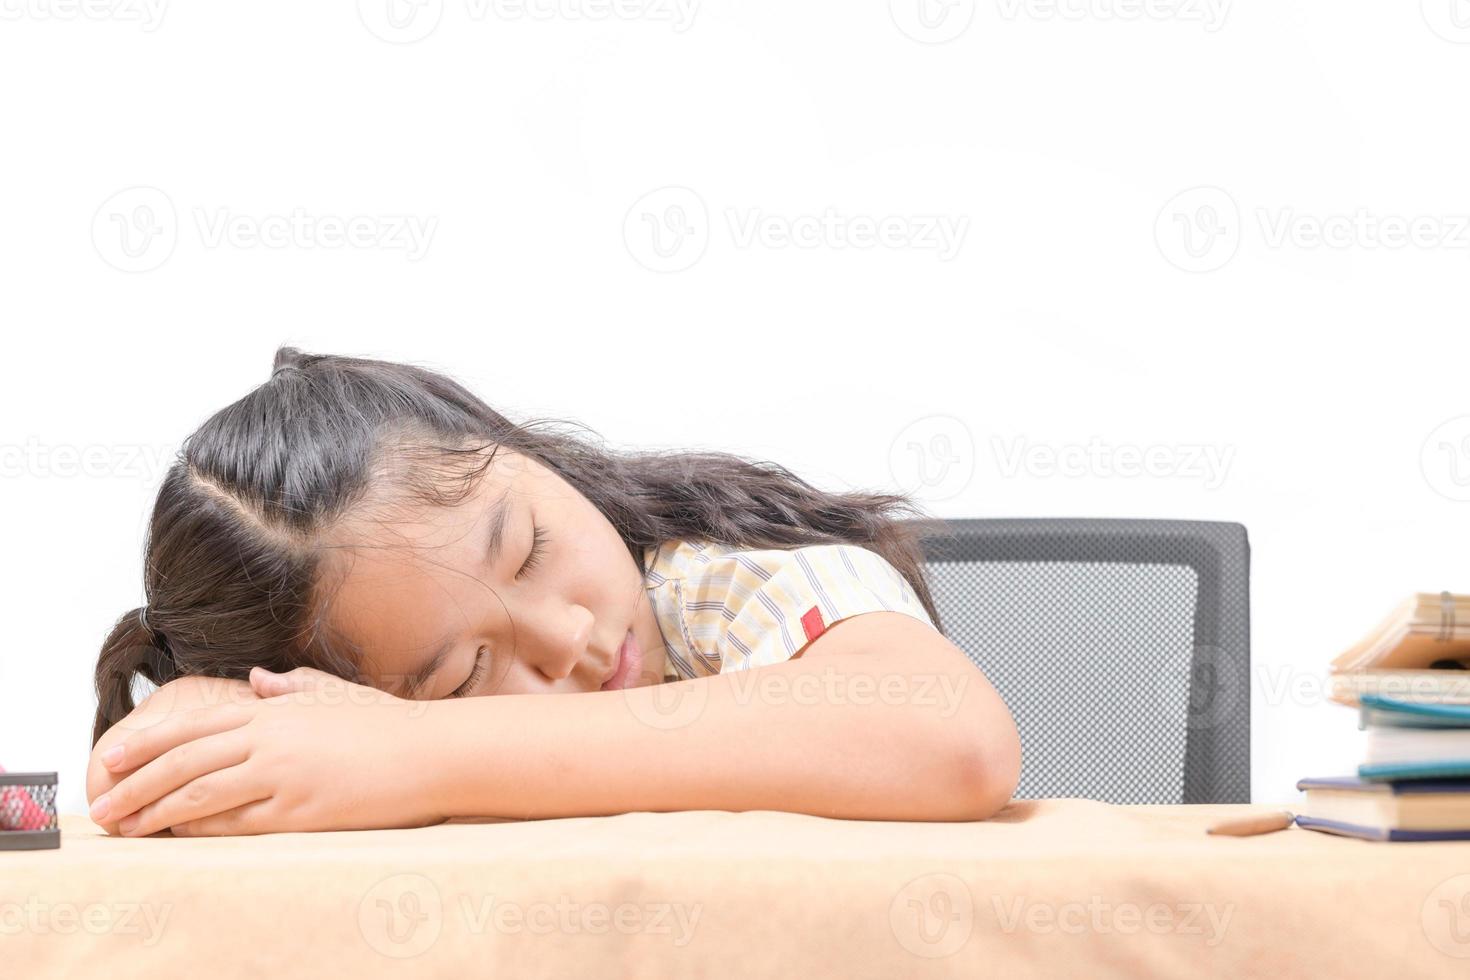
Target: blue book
x: 1412, y: 740
x: 1416, y: 810
x: 1378, y: 710
x: 1411, y: 771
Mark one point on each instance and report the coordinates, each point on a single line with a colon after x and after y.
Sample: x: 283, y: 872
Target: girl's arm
x: 879, y: 718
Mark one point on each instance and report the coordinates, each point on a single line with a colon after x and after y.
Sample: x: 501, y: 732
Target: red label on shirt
x: 811, y: 623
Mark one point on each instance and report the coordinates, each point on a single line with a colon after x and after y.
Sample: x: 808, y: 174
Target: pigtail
x: 132, y: 647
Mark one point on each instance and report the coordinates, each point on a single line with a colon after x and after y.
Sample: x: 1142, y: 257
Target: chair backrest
x: 1121, y: 646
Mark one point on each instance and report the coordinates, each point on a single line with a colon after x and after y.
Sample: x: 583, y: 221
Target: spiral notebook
x: 1421, y: 652
x: 1426, y: 630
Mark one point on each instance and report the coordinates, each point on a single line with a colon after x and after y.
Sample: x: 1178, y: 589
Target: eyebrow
x: 494, y: 543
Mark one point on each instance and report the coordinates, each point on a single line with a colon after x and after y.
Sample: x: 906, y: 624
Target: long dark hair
x: 237, y: 560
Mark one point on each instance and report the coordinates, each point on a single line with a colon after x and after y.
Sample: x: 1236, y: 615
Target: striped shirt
x: 723, y: 609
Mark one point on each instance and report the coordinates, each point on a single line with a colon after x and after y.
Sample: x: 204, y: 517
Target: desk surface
x: 1048, y: 887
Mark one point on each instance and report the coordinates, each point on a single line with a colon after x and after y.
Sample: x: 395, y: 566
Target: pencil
x: 1260, y: 823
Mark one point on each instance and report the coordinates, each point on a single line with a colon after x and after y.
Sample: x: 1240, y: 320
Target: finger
x: 270, y: 684
x: 144, y: 746
x: 175, y: 768
x: 217, y: 791
x: 258, y: 817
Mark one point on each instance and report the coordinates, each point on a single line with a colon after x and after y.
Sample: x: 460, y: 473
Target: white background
x: 1089, y: 311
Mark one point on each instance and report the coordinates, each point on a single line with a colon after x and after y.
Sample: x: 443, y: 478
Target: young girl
x: 341, y: 564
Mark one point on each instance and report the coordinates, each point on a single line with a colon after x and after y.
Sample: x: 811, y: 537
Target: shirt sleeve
x: 780, y: 600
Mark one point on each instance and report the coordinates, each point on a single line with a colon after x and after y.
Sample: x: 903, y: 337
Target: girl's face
x: 524, y: 588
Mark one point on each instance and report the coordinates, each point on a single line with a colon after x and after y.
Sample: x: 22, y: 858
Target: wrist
x: 432, y: 740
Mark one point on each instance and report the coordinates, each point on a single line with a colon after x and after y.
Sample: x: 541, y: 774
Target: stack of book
x: 1410, y: 681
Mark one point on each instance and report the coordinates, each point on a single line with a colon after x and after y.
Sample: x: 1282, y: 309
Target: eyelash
x: 538, y: 551
x: 476, y: 673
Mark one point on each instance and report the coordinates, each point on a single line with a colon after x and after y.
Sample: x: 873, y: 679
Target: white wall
x: 1059, y: 143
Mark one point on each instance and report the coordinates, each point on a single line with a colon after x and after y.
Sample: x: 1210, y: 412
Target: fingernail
x: 99, y: 808
x: 128, y: 824
x: 112, y: 756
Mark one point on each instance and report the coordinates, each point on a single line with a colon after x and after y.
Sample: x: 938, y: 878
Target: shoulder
x: 706, y: 563
x: 748, y: 607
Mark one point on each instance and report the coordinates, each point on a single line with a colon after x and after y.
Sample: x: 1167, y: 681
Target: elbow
x: 992, y: 767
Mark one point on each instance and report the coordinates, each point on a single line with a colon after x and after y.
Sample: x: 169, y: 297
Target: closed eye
x: 482, y: 657
x: 539, y: 538
x: 538, y: 550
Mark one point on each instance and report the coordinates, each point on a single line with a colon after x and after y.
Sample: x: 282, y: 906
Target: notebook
x: 1394, y: 811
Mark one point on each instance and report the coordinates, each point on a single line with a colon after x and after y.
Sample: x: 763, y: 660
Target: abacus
x: 28, y: 811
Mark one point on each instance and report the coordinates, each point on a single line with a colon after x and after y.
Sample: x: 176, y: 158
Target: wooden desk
x: 1050, y: 888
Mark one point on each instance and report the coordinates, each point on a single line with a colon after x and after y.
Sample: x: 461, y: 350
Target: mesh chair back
x: 1121, y: 646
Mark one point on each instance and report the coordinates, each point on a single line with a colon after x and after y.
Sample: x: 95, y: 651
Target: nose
x: 553, y: 637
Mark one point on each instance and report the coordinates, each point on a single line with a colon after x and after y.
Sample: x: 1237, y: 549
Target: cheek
x: 597, y: 568
x: 619, y: 585
x: 593, y: 567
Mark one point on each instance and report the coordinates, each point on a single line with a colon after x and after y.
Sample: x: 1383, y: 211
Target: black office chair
x: 1121, y: 646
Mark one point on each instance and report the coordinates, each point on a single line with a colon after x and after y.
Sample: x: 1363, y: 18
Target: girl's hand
x: 315, y: 753
x: 177, y: 696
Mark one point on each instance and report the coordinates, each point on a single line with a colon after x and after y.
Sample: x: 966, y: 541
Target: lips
x: 630, y: 658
